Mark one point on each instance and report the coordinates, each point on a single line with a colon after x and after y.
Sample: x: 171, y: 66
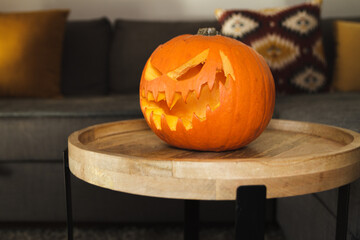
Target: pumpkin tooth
x: 157, y: 120
x: 177, y: 96
x: 189, y: 96
x: 211, y: 84
x: 154, y: 92
x: 186, y: 123
x: 169, y: 97
x: 157, y: 110
x: 160, y: 96
x: 150, y: 96
x: 150, y: 119
x: 185, y: 94
x: 200, y: 115
x: 171, y: 121
x: 212, y: 80
x: 198, y: 91
x: 201, y: 119
x: 144, y: 103
x: 148, y: 113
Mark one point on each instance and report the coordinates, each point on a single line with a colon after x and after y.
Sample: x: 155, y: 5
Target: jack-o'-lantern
x: 208, y: 93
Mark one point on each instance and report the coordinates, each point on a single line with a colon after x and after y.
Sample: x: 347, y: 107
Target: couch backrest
x: 99, y: 59
x: 133, y: 43
x: 327, y: 28
x: 86, y: 57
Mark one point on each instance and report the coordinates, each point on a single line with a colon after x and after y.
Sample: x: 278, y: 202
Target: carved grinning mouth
x: 182, y: 106
x: 179, y: 109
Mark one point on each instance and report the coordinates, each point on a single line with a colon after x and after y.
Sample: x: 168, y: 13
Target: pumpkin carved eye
x: 191, y: 72
x: 190, y: 68
x: 151, y: 72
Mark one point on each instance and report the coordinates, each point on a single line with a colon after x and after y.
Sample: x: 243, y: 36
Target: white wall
x: 168, y: 9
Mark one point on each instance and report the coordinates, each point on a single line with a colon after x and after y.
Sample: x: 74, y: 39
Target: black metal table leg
x: 342, y: 212
x: 250, y: 213
x: 191, y: 221
x: 69, y: 219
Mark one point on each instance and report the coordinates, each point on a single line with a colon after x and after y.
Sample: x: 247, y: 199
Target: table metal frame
x: 249, y: 211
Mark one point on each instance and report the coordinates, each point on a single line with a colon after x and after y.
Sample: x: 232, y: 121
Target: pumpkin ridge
x: 265, y: 120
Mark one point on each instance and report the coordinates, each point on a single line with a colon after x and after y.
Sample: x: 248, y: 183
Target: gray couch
x: 102, y: 65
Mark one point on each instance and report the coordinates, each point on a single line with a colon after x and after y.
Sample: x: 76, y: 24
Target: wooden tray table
x: 290, y: 158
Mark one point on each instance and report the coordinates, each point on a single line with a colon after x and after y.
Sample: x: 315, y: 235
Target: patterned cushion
x: 289, y: 39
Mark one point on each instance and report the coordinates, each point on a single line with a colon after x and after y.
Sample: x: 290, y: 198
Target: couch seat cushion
x: 338, y: 109
x: 34, y: 129
x: 113, y: 106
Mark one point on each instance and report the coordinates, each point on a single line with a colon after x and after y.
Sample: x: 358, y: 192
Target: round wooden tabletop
x: 290, y: 158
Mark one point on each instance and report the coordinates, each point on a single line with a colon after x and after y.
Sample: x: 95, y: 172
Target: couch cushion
x: 346, y: 70
x: 40, y: 127
x: 327, y: 27
x: 102, y: 106
x: 86, y: 56
x: 31, y: 46
x: 134, y: 41
x: 290, y: 40
x: 338, y: 109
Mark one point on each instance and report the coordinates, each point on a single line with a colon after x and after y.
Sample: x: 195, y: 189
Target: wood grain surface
x: 291, y: 158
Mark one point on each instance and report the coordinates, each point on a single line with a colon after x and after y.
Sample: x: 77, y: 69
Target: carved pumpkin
x: 209, y: 93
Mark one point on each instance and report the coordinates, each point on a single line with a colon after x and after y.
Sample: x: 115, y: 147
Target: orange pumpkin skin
x: 188, y: 71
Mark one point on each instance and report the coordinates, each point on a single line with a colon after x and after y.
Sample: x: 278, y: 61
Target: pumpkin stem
x: 208, y: 32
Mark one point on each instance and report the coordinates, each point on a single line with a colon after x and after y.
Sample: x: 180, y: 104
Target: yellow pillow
x: 30, y: 53
x: 347, y: 68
